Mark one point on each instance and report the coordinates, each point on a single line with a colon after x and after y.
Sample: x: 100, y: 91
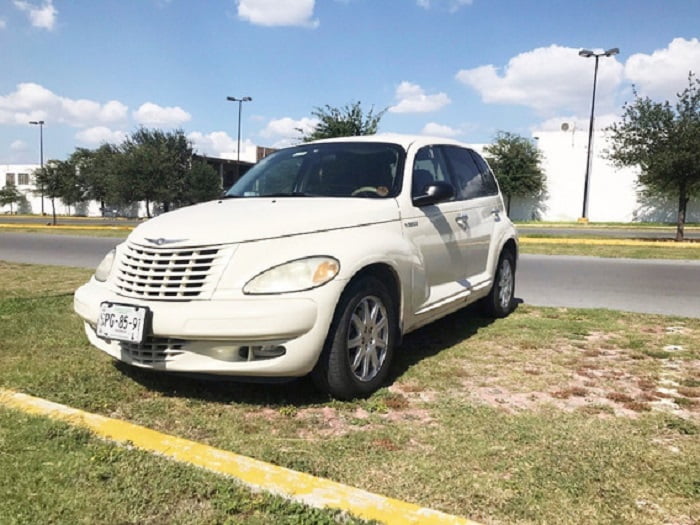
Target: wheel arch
x: 388, y: 275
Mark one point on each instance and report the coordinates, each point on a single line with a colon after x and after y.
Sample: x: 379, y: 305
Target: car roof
x: 405, y: 141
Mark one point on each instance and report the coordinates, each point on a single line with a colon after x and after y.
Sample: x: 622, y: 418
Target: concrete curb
x: 257, y: 475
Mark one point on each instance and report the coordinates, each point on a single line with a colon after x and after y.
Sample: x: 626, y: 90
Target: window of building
x: 23, y: 179
x: 9, y: 179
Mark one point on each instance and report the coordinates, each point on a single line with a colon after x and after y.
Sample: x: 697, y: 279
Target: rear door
x: 479, y: 207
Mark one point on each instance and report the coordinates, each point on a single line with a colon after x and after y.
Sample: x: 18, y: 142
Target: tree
x: 202, y: 183
x: 663, y: 141
x: 98, y: 171
x: 54, y: 178
x: 516, y: 163
x: 10, y: 195
x: 348, y: 121
x: 154, y: 167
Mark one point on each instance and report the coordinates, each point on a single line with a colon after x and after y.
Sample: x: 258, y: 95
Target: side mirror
x: 434, y: 193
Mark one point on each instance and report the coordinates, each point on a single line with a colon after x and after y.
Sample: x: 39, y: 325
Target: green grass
x: 662, y: 251
x: 54, y: 473
x: 550, y: 415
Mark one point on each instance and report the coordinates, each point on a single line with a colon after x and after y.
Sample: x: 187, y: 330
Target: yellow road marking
x: 258, y: 475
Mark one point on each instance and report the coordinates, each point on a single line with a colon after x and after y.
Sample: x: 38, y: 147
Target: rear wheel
x: 360, y: 343
x: 501, y: 301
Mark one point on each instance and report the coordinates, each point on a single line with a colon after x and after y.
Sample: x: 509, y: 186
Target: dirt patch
x: 599, y: 376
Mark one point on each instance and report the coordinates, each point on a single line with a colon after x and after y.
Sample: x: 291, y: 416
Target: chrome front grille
x: 153, y: 350
x: 170, y: 274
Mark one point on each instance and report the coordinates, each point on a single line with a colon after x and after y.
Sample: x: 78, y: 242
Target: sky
x: 97, y: 70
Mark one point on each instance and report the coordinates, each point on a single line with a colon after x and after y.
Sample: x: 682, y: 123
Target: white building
x: 613, y: 194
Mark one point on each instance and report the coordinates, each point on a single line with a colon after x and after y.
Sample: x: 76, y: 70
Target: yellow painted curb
x: 258, y: 475
x: 31, y: 226
x: 608, y: 242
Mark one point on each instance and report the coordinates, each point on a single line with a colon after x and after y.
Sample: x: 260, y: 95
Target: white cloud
x: 220, y: 144
x: 3, y: 24
x: 43, y: 17
x: 278, y: 12
x: 18, y: 146
x: 451, y: 5
x: 665, y: 72
x: 100, y: 135
x: 31, y: 101
x: 438, y: 130
x: 285, y: 131
x: 150, y: 114
x: 546, y: 79
x: 412, y: 99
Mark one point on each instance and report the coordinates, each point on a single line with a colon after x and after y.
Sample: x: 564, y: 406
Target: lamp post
x: 40, y: 123
x: 587, y: 54
x: 240, y: 104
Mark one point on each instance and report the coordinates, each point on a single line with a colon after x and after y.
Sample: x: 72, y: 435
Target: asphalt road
x: 647, y: 286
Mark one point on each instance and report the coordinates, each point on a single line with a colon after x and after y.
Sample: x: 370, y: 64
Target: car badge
x: 161, y: 241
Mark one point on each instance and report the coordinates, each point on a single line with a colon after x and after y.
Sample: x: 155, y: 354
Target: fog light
x: 251, y: 353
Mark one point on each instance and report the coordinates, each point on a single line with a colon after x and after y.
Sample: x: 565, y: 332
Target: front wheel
x: 360, y: 343
x: 501, y: 301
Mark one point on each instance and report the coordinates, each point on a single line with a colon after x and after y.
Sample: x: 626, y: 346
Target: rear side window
x: 487, y: 177
x: 465, y: 173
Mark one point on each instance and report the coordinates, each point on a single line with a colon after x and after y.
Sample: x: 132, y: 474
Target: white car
x: 318, y: 260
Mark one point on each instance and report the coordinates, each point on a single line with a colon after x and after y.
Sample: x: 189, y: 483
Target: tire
x: 501, y: 301
x: 360, y: 343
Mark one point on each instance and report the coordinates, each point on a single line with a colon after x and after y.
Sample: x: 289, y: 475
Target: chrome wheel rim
x: 368, y: 338
x: 505, y: 284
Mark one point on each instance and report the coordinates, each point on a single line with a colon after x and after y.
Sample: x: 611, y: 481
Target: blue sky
x: 95, y: 70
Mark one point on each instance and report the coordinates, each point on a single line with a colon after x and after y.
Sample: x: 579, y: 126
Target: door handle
x: 462, y: 221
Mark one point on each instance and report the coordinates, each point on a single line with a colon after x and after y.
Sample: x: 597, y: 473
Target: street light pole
x: 587, y: 54
x: 40, y: 123
x: 240, y: 104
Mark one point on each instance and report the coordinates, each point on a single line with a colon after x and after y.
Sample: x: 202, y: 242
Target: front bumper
x: 222, y: 337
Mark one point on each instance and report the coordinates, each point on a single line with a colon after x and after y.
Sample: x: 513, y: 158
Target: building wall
x: 613, y: 195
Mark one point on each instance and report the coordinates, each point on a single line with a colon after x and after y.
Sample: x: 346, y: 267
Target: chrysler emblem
x: 162, y: 241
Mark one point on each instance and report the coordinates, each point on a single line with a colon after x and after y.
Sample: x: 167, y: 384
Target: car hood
x: 249, y: 219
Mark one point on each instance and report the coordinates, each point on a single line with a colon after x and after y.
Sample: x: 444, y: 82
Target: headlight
x: 294, y: 276
x: 103, y: 269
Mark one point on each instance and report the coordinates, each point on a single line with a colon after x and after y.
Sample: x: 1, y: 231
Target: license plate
x: 123, y: 322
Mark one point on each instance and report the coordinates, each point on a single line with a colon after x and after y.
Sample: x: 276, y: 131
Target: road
x: 647, y: 286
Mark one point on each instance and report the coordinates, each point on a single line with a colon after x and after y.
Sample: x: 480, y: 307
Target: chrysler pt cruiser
x: 317, y: 261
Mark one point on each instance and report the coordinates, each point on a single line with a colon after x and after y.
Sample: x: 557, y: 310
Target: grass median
x: 551, y: 415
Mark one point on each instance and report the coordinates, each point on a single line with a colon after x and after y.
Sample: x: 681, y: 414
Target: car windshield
x: 333, y: 169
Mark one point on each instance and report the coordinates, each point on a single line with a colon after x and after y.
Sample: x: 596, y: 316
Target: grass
x: 54, y: 473
x: 664, y: 250
x: 550, y: 415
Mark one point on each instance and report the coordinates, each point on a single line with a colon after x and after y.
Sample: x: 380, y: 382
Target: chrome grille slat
x: 170, y: 274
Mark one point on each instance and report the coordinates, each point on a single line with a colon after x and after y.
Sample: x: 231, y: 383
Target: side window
x: 490, y: 186
x: 465, y: 173
x: 428, y: 167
